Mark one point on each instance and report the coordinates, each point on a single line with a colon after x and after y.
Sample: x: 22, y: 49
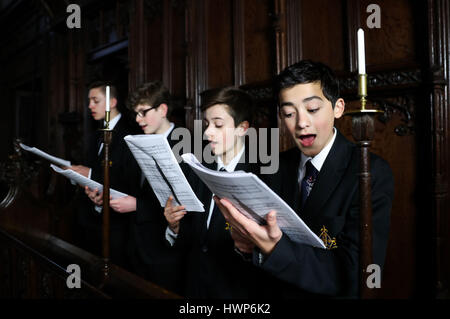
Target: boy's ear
x: 339, y: 108
x: 243, y: 127
x: 113, y: 102
x: 163, y: 108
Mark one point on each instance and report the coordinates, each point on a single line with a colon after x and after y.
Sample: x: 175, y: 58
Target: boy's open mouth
x: 307, y: 139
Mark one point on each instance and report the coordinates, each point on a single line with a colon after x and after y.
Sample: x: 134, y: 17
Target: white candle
x: 107, y: 99
x: 361, y: 52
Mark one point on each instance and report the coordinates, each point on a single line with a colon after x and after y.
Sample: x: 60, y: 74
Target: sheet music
x: 160, y: 167
x: 254, y: 199
x: 84, y: 181
x: 50, y: 158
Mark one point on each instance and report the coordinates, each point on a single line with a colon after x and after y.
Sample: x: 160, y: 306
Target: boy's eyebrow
x: 312, y: 98
x: 305, y: 100
x: 286, y: 104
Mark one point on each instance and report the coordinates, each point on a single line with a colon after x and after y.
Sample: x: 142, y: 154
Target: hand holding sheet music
x: 254, y: 199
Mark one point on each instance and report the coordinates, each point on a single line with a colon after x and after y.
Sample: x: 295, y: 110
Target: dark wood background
x: 195, y: 45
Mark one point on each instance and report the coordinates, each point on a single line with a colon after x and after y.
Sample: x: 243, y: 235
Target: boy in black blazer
x: 318, y: 179
x: 124, y: 174
x: 214, y: 268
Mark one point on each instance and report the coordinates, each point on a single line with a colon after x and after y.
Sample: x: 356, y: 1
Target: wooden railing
x: 34, y: 264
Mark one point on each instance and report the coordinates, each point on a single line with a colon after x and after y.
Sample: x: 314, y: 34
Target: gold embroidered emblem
x: 329, y: 242
x: 227, y: 226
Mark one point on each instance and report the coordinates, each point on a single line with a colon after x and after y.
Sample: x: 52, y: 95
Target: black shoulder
x: 382, y: 176
x: 290, y: 157
x: 379, y: 164
x: 125, y: 126
x: 292, y: 152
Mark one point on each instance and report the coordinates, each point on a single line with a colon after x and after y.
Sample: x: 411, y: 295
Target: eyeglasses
x: 142, y: 113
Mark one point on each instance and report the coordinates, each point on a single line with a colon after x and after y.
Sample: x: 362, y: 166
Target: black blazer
x: 334, y: 204
x: 214, y: 269
x: 151, y: 255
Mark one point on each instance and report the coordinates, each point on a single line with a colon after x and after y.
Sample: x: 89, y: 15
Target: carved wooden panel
x: 394, y: 43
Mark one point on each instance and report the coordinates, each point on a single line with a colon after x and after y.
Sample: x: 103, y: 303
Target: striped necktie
x: 308, y: 181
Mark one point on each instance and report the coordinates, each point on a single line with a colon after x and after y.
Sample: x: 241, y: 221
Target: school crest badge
x: 329, y: 242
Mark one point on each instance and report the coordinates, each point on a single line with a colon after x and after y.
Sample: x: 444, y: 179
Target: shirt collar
x: 320, y: 158
x: 166, y: 133
x: 113, y: 122
x: 233, y: 163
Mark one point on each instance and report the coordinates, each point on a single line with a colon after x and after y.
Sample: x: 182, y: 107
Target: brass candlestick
x: 362, y: 90
x: 363, y: 131
x: 107, y: 119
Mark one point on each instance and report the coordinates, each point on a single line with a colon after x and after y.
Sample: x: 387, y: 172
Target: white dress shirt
x: 317, y: 161
x: 170, y: 235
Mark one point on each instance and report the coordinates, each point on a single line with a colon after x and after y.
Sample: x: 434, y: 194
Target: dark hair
x: 239, y: 102
x: 307, y: 71
x: 113, y: 92
x: 151, y: 93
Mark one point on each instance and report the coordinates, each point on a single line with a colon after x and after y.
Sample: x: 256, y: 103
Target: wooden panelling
x: 137, y: 40
x: 194, y: 45
x: 154, y: 43
x: 393, y: 44
x: 174, y: 51
x: 259, y: 53
x: 239, y: 42
x: 322, y: 24
x: 146, y: 42
x: 196, y: 58
x: 219, y: 26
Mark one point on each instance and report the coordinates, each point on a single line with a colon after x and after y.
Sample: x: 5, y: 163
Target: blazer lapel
x: 118, y: 132
x: 328, y: 179
x: 290, y: 185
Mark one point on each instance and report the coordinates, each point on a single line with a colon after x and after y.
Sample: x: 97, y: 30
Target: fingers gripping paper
x: 160, y: 167
x: 254, y: 199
